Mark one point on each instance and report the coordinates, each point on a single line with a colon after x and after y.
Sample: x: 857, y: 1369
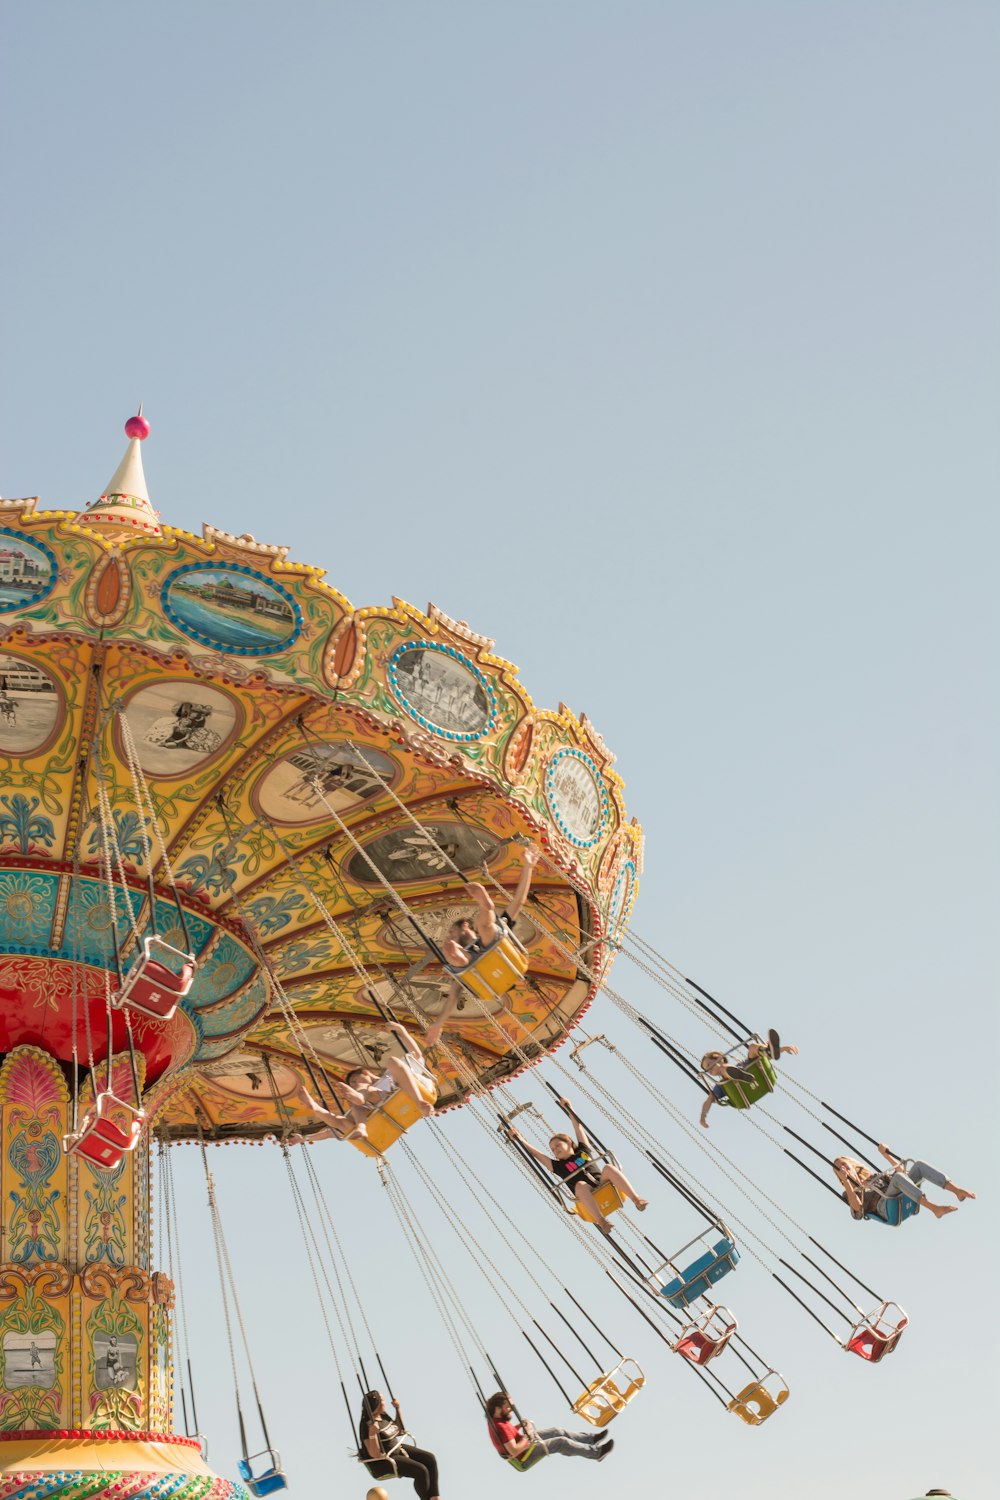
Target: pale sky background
x: 658, y: 341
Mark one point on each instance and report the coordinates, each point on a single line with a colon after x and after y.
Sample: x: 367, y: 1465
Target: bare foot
x: 940, y: 1209
x: 604, y: 1226
x: 642, y: 1204
x: 961, y: 1193
x: 359, y: 1133
x: 425, y: 1108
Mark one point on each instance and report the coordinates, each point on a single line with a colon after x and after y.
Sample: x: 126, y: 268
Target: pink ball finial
x: 137, y: 426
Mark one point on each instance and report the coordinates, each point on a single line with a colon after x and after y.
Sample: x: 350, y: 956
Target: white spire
x: 125, y: 504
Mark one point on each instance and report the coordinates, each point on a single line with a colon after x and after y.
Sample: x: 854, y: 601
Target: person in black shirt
x: 572, y: 1162
x: 387, y: 1455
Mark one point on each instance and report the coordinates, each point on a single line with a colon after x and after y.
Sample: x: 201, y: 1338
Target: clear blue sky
x: 659, y: 341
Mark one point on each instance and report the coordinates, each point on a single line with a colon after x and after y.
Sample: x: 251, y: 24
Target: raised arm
x: 530, y: 860
x: 542, y: 1156
x: 582, y: 1137
x: 892, y: 1160
x: 405, y: 1038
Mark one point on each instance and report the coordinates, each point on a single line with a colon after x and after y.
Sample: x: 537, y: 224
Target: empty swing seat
x: 756, y: 1402
x: 391, y: 1120
x: 269, y: 1479
x: 878, y: 1334
x: 896, y: 1210
x: 151, y: 986
x: 695, y: 1280
x: 494, y: 971
x: 707, y: 1336
x: 608, y: 1199
x: 609, y: 1394
x: 763, y: 1079
x: 109, y: 1129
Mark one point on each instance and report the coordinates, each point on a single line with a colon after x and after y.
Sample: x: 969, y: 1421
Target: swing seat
x: 391, y: 1120
x: 763, y: 1080
x: 696, y: 1279
x: 609, y: 1394
x: 755, y: 1403
x: 152, y: 988
x: 608, y: 1199
x: 878, y: 1334
x: 896, y: 1210
x: 526, y: 1460
x: 494, y: 971
x: 706, y: 1338
x: 269, y: 1479
x: 103, y: 1139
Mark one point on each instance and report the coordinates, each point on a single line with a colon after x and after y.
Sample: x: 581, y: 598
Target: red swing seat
x: 878, y: 1334
x: 152, y: 988
x: 101, y: 1139
x: 707, y: 1336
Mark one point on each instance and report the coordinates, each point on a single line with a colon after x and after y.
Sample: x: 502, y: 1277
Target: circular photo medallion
x: 578, y: 801
x: 30, y: 706
x: 293, y: 790
x: 231, y: 608
x: 443, y: 690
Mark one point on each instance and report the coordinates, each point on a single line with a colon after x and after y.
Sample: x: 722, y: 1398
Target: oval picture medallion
x: 30, y: 706
x: 578, y: 801
x: 233, y: 609
x: 443, y: 690
x: 406, y: 854
x: 177, y: 725
x: 292, y: 791
x: 27, y: 571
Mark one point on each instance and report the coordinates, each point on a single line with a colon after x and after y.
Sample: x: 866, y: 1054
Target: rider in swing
x: 471, y: 936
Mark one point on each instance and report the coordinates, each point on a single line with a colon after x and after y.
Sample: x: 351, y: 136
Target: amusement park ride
x: 237, y: 821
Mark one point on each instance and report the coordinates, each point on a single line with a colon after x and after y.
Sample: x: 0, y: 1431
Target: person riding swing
x: 388, y: 1452
x: 572, y: 1162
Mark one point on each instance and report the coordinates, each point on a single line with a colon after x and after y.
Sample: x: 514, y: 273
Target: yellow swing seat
x: 608, y: 1199
x: 755, y: 1402
x: 495, y: 971
x: 391, y: 1120
x: 609, y: 1394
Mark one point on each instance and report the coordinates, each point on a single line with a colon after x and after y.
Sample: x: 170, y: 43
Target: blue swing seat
x: 268, y: 1480
x: 896, y: 1210
x: 696, y: 1279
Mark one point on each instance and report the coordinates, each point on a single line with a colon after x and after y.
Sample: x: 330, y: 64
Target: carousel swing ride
x: 238, y: 822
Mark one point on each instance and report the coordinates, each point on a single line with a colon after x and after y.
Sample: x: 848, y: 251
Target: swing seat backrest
x: 755, y: 1403
x: 608, y: 1199
x: 387, y: 1123
x: 270, y: 1479
x: 624, y: 1381
x: 764, y: 1078
x: 494, y: 971
x: 151, y: 986
x: 696, y: 1278
x: 896, y: 1210
x: 109, y: 1129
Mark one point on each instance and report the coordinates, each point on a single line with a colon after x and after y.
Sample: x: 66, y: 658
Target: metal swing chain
x: 303, y: 1221
x: 409, y: 1234
x: 140, y: 784
x: 217, y: 1240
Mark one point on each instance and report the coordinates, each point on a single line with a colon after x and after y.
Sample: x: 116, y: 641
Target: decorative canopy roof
x: 300, y: 756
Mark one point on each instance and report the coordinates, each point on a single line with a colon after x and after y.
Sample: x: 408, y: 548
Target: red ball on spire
x: 137, y: 427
